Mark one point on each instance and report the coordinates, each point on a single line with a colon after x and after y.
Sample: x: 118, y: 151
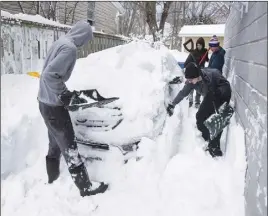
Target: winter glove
x: 176, y: 80
x: 66, y: 96
x: 170, y: 109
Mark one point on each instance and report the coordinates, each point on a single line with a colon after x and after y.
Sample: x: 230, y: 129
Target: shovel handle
x: 192, y: 45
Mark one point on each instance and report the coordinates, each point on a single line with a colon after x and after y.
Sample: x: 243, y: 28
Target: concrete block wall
x: 245, y: 42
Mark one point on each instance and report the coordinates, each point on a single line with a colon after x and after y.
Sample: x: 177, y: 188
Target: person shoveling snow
x: 216, y: 91
x: 53, y: 95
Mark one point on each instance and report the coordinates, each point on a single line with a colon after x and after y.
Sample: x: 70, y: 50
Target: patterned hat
x: 214, y: 42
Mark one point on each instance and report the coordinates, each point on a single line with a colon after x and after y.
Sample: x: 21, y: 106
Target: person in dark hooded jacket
x: 217, y: 57
x: 57, y: 69
x: 215, y: 88
x: 196, y: 56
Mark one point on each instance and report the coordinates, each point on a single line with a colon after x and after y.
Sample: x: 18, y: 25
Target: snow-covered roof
x: 202, y: 30
x: 32, y: 18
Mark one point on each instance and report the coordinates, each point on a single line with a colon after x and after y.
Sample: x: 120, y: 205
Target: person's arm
x: 57, y: 70
x: 188, y: 87
x: 188, y: 60
x: 222, y: 85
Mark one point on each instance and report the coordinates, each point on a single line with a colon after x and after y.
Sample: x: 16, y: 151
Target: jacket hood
x: 80, y: 33
x: 200, y: 41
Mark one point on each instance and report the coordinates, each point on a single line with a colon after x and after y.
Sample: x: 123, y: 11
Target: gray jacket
x: 60, y: 61
x: 212, y: 81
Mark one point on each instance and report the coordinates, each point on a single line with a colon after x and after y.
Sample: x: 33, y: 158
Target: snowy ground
x: 174, y: 177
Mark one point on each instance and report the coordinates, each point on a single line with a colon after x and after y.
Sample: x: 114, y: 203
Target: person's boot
x: 214, y: 148
x: 215, y: 152
x: 190, y: 103
x: 53, y: 169
x: 197, y: 105
x: 85, y: 186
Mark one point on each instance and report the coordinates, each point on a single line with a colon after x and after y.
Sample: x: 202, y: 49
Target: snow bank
x: 138, y: 75
x: 179, y: 56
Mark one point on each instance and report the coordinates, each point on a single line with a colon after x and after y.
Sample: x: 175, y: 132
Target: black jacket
x: 196, y: 55
x: 212, y: 82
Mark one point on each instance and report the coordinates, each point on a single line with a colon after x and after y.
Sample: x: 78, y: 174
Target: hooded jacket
x: 212, y: 82
x: 217, y: 59
x: 198, y: 54
x: 60, y: 61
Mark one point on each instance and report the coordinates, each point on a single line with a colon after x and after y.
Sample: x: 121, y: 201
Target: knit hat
x: 191, y: 71
x: 214, y: 42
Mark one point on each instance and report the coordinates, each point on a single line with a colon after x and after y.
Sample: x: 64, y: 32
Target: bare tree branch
x: 74, y: 11
x: 150, y: 8
x: 21, y: 7
x: 164, y: 16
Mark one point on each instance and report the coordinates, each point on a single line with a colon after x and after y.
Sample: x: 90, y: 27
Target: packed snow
x: 174, y: 175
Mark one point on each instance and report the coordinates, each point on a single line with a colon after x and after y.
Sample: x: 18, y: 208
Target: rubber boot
x: 85, y: 186
x: 53, y: 169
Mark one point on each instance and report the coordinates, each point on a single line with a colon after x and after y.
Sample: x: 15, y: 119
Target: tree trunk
x: 74, y: 12
x: 65, y: 12
x: 164, y: 16
x: 133, y: 15
x: 21, y: 8
x: 150, y: 10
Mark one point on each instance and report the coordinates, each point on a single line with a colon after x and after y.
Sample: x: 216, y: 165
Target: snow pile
x: 32, y: 18
x: 174, y: 175
x: 138, y: 75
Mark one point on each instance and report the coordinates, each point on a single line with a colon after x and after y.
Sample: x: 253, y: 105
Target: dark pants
x: 205, y: 110
x: 197, y: 97
x: 60, y: 134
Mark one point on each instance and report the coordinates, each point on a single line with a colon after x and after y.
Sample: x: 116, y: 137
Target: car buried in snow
x: 95, y: 119
x: 100, y: 127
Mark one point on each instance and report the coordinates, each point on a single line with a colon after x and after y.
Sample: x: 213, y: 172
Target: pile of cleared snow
x: 138, y: 75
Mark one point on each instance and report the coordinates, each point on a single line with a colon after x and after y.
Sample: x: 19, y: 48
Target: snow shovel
x: 192, y: 45
x: 218, y: 121
x: 176, y: 80
x: 34, y: 74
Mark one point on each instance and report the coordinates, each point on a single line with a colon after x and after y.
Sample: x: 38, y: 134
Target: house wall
x: 245, y: 42
x: 104, y: 13
x: 80, y: 11
x: 24, y: 44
